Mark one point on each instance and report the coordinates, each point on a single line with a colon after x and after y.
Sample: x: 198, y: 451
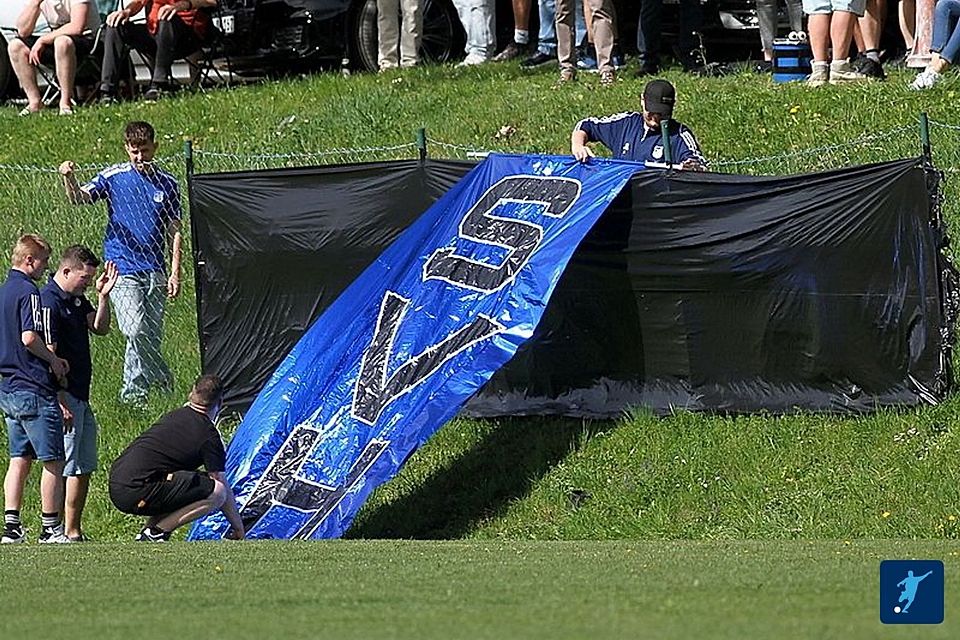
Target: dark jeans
x: 174, y: 40
x: 651, y: 18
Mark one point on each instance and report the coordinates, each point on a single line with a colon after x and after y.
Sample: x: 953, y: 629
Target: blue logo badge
x: 911, y: 592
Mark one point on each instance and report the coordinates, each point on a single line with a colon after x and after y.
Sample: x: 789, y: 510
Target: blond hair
x: 30, y: 244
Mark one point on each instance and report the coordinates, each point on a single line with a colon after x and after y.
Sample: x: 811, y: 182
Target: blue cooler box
x: 791, y: 60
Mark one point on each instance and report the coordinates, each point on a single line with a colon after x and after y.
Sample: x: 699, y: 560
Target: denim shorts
x: 811, y: 7
x: 34, y: 425
x: 80, y: 443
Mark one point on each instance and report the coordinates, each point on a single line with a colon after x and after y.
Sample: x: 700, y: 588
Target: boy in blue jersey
x: 638, y: 136
x: 143, y: 209
x: 28, y: 394
x: 70, y: 318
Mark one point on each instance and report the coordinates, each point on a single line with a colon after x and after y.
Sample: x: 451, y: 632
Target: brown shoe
x: 511, y: 51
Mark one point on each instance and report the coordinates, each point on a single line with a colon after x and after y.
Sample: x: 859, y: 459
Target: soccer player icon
x: 909, y: 592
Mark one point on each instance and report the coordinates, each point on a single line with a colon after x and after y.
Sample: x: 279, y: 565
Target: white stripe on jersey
x: 35, y: 312
x: 47, y: 332
x: 691, y: 142
x: 607, y: 119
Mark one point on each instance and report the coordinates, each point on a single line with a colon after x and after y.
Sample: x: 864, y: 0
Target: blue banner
x: 398, y: 353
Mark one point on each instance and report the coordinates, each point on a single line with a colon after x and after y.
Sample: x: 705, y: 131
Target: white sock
x: 521, y: 36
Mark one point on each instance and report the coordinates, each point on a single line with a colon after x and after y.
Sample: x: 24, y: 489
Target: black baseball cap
x: 659, y: 96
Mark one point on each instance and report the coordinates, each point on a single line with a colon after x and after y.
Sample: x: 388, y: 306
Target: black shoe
x: 106, y: 99
x: 539, y: 59
x: 13, y: 534
x: 647, y: 68
x: 152, y: 534
x: 763, y: 66
x: 154, y: 92
x: 870, y: 68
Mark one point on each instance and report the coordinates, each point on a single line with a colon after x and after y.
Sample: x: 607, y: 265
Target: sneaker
x: 568, y: 75
x: 152, y: 94
x: 587, y: 63
x: 13, y: 535
x: 617, y: 60
x: 106, y: 99
x: 925, y: 79
x: 539, y: 59
x: 511, y: 51
x: 472, y: 60
x: 152, y: 534
x: 870, y: 68
x: 607, y: 77
x: 842, y: 72
x: 819, y: 75
x: 53, y: 535
x: 763, y: 66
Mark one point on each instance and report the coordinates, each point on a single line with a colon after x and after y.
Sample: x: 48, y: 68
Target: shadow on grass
x: 482, y: 482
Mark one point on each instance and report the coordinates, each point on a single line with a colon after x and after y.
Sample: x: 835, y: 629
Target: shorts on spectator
x: 80, y: 443
x: 83, y: 45
x: 176, y: 490
x: 34, y: 425
x: 811, y: 7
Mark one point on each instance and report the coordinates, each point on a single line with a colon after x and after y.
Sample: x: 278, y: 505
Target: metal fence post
x: 422, y: 143
x: 194, y: 250
x: 925, y: 146
x: 665, y: 136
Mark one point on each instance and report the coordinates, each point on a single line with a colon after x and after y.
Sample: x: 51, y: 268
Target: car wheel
x: 442, y: 34
x: 6, y: 71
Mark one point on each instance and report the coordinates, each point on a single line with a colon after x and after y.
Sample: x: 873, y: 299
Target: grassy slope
x: 793, y: 477
x: 472, y: 589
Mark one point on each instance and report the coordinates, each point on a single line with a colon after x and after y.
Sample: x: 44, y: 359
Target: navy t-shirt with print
x: 66, y: 326
x: 22, y: 311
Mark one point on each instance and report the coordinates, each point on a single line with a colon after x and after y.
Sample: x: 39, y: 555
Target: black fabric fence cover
x: 696, y: 291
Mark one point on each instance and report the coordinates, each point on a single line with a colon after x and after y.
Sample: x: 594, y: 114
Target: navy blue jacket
x: 629, y: 138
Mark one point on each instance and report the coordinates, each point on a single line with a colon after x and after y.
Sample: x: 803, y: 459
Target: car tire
x: 6, y: 70
x: 442, y: 40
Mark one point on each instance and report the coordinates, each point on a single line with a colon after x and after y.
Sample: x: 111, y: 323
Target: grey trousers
x: 399, y: 26
x: 604, y: 25
x: 767, y: 16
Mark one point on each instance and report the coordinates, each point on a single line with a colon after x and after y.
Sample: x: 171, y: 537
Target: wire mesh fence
x: 132, y: 215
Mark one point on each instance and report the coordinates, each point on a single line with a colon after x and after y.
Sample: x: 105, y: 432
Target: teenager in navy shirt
x: 637, y: 136
x: 69, y: 319
x: 143, y: 209
x: 28, y: 394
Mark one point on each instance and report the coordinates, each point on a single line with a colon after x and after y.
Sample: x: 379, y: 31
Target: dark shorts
x: 175, y: 491
x: 82, y: 44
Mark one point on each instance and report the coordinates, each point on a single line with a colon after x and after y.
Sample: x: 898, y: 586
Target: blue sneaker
x: 587, y: 63
x: 617, y: 60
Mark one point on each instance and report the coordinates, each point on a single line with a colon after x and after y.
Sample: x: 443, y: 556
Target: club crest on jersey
x: 625, y: 149
x: 658, y: 152
x: 158, y: 196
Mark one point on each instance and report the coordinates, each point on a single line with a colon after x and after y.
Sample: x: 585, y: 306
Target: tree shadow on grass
x: 481, y: 483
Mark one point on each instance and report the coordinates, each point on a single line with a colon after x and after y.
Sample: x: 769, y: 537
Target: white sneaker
x: 472, y: 60
x: 13, y: 535
x: 842, y: 72
x: 819, y: 74
x: 925, y: 79
x: 53, y: 535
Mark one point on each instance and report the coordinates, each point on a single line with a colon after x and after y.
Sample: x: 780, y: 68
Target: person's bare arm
x: 118, y: 17
x: 99, y: 321
x: 35, y: 345
x: 75, y: 194
x: 578, y: 146
x: 229, y: 508
x: 175, y: 240
x: 27, y: 20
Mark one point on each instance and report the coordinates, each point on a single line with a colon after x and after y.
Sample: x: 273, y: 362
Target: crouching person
x: 157, y: 477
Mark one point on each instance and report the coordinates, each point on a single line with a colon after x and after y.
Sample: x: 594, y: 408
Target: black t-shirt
x: 182, y: 440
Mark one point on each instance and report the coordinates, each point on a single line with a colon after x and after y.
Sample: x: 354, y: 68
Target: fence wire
x: 132, y: 228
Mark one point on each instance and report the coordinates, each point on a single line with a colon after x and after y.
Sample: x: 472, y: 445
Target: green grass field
x: 463, y: 589
x: 745, y: 518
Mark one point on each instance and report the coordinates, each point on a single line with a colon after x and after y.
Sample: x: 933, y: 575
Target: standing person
x: 945, y: 46
x: 546, y: 51
x: 73, y: 25
x: 156, y: 476
x: 478, y: 19
x: 521, y: 33
x: 867, y: 35
x: 28, y: 394
x: 173, y: 29
x: 396, y: 34
x: 637, y: 136
x: 70, y: 318
x: 603, y: 21
x: 144, y: 213
x: 830, y: 26
x: 767, y: 17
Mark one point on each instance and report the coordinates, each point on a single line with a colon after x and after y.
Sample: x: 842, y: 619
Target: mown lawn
x: 465, y: 589
x: 642, y: 477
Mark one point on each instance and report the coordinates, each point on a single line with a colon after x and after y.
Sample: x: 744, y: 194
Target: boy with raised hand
x: 144, y: 213
x: 70, y: 318
x: 28, y: 394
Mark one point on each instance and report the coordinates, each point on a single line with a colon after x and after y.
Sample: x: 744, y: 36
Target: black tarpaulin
x: 700, y: 291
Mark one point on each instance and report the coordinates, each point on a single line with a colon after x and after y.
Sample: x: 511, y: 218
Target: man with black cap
x: 638, y: 136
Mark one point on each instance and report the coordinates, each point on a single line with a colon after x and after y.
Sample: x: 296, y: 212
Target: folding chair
x: 204, y: 67
x: 88, y: 69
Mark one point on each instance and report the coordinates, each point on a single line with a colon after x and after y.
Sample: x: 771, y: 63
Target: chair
x: 87, y: 69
